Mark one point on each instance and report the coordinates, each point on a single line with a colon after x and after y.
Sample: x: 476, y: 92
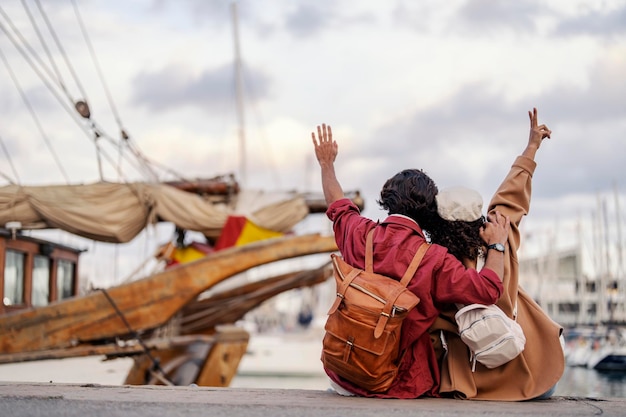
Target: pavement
x: 22, y: 399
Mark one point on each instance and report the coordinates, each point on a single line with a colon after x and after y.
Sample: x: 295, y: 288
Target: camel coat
x: 541, y: 364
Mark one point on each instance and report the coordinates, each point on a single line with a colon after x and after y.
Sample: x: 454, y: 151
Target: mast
x: 618, y: 219
x: 239, y: 95
x: 620, y: 292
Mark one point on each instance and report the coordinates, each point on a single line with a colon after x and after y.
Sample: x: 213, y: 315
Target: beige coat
x: 542, y: 362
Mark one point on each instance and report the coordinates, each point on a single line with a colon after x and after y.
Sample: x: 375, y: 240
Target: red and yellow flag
x: 238, y: 231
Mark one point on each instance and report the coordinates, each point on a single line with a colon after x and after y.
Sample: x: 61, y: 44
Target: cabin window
x: 65, y: 279
x: 14, y: 278
x: 41, y: 281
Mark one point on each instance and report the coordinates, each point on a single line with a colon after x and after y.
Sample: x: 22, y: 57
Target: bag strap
x: 369, y: 251
x: 346, y: 281
x: 410, y: 271
x: 417, y: 258
x: 387, y: 311
x: 415, y: 263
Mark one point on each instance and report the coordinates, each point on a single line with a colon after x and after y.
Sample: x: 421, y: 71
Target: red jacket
x: 440, y: 279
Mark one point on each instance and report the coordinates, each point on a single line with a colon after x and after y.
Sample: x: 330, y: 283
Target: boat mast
x: 239, y: 95
x: 618, y: 219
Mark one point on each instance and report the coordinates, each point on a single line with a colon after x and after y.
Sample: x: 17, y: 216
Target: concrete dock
x: 21, y: 399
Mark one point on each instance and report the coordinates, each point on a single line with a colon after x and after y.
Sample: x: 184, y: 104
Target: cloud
x: 307, y: 19
x: 595, y: 22
x: 472, y: 136
x: 475, y: 17
x: 174, y: 86
x: 210, y: 12
x: 490, y: 15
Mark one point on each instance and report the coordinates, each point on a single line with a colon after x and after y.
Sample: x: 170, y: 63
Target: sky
x: 440, y: 86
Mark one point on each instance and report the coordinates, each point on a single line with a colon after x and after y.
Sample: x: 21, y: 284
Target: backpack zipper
x: 395, y: 309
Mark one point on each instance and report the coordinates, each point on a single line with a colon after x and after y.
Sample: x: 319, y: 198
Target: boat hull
x: 129, y: 309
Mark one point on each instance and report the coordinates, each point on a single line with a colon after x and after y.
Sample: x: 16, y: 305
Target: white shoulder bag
x: 492, y: 337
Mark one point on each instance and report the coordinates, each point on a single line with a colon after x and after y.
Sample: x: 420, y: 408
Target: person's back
x: 409, y: 197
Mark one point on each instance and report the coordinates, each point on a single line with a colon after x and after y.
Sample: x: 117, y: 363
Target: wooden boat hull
x: 141, y: 305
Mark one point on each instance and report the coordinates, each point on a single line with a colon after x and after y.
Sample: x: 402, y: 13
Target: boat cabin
x: 35, y: 272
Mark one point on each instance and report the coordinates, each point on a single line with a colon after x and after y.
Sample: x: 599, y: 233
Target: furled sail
x: 116, y: 212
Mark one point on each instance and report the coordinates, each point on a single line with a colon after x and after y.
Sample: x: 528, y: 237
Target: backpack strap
x: 417, y: 258
x: 387, y: 311
x: 369, y: 252
x: 412, y: 269
x: 346, y: 281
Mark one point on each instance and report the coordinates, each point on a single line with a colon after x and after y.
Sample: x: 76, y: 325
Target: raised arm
x: 513, y: 199
x: 513, y: 196
x: 326, y: 150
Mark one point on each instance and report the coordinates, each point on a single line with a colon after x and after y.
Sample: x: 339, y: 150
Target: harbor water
x: 576, y: 382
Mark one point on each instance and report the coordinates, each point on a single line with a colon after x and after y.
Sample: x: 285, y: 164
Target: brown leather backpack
x: 362, y: 337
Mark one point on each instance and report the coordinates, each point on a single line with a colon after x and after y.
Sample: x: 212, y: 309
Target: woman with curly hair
x: 458, y: 224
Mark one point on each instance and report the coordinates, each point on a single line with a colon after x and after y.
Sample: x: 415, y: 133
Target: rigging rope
x: 61, y: 50
x: 34, y: 116
x: 124, y: 135
x: 6, y: 153
x: 46, y: 49
x: 97, y: 65
x: 29, y: 48
x: 99, y: 133
x: 135, y: 335
x: 141, y: 163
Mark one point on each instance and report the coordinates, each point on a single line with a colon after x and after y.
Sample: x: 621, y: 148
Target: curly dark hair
x: 411, y: 193
x: 462, y: 239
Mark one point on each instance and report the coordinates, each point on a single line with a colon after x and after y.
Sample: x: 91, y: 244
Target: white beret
x: 459, y: 204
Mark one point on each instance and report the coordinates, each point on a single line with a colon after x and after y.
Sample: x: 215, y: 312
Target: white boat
x: 609, y: 353
x: 602, y: 349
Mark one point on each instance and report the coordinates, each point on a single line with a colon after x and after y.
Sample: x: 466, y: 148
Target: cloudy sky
x: 442, y: 86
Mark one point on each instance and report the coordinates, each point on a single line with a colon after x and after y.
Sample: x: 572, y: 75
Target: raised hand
x: 326, y: 148
x: 537, y: 132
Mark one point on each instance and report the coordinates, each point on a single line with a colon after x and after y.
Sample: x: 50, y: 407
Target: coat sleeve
x: 513, y: 199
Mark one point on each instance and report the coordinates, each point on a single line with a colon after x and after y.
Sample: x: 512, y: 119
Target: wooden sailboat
x: 148, y: 319
x: 112, y: 321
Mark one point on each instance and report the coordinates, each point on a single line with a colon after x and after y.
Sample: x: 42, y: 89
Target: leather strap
x: 408, y: 274
x: 417, y: 258
x: 346, y: 281
x: 387, y: 312
x: 369, y: 251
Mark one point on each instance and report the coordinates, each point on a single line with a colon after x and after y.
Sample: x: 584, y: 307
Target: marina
x: 105, y: 328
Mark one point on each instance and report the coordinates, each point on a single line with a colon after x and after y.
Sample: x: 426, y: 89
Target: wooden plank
x: 111, y: 349
x: 208, y: 361
x: 221, y: 366
x: 147, y: 303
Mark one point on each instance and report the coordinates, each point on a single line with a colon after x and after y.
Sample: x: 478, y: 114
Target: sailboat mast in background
x: 239, y: 94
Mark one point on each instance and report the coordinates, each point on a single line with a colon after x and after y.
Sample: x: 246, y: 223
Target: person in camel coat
x: 534, y: 373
